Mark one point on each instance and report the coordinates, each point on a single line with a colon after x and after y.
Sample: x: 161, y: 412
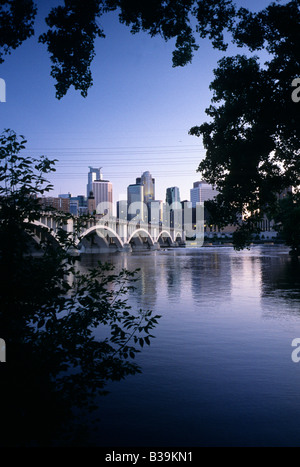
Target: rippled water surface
x: 219, y: 372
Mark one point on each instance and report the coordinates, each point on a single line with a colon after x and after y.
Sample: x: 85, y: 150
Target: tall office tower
x: 94, y: 174
x: 103, y: 193
x: 155, y: 212
x: 135, y: 199
x: 122, y: 210
x: 173, y: 202
x: 149, y: 186
x: 202, y: 192
x: 172, y: 195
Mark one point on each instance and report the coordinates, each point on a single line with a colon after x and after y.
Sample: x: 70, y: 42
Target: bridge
x: 109, y: 234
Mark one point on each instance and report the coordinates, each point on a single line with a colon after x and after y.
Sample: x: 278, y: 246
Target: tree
x: 50, y: 312
x: 16, y: 24
x: 252, y: 140
x: 287, y: 218
x: 74, y: 27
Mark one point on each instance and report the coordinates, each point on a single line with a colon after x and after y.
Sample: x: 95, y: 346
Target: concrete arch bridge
x: 102, y: 236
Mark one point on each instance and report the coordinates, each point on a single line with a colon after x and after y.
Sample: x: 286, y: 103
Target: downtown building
x: 122, y: 209
x: 77, y: 204
x: 172, y: 195
x: 135, y: 199
x: 101, y: 194
x: 59, y: 204
x: 173, y: 207
x: 93, y: 175
x: 202, y: 192
x: 148, y: 182
x: 140, y: 196
x: 156, y: 212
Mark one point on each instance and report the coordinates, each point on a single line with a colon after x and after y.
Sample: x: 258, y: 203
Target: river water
x: 219, y: 371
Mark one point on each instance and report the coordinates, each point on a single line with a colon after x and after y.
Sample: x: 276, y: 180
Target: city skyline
x: 137, y: 115
x: 150, y: 226
x: 135, y: 192
x: 138, y: 202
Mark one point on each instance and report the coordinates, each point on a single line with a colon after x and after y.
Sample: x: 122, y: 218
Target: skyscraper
x: 155, y: 212
x: 103, y: 193
x: 202, y: 192
x: 122, y: 209
x: 149, y: 186
x: 172, y: 195
x: 173, y: 212
x: 94, y: 174
x: 135, y: 199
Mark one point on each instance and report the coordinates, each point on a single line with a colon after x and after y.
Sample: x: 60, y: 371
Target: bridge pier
x: 126, y: 248
x: 96, y: 249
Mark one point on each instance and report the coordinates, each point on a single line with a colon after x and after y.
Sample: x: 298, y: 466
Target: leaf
x: 147, y: 340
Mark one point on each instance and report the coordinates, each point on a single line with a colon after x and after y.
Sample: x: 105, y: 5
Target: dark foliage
x: 252, y: 139
x: 67, y: 333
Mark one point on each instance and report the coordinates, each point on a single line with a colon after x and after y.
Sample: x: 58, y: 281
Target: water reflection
x: 219, y: 370
x: 147, y: 278
x: 58, y: 365
x: 281, y: 286
x: 246, y: 281
x: 211, y: 277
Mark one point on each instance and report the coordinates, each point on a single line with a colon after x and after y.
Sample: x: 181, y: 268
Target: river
x: 219, y: 371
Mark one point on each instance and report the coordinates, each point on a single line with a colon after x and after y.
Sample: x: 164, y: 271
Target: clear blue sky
x: 136, y: 117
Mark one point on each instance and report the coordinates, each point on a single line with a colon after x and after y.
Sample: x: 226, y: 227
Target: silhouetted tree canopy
x: 74, y: 26
x: 16, y: 24
x: 287, y: 218
x: 252, y: 138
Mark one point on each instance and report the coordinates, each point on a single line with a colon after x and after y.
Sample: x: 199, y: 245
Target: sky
x: 136, y: 117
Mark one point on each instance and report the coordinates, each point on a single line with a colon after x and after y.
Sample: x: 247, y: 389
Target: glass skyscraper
x: 173, y: 207
x: 172, y: 195
x: 135, y: 199
x: 94, y: 174
x: 149, y: 186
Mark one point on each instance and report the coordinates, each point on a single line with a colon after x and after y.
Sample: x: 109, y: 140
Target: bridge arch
x: 39, y: 229
x: 178, y: 237
x: 165, y: 233
x: 143, y: 231
x: 97, y: 230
